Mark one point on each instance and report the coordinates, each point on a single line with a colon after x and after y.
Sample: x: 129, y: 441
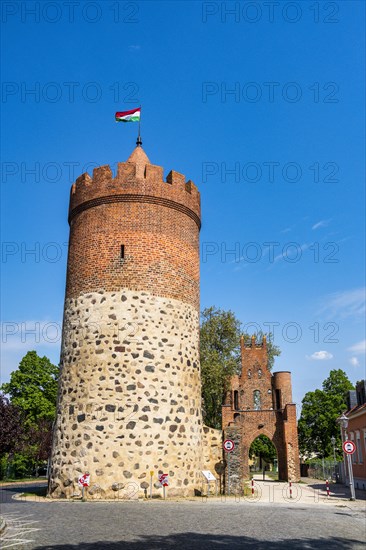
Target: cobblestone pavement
x: 200, y: 524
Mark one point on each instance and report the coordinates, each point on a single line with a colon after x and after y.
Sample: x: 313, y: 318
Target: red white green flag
x: 129, y: 116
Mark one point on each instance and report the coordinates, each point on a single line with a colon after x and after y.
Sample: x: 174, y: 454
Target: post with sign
x: 151, y: 480
x: 228, y: 447
x: 349, y: 448
x: 164, y: 481
x: 84, y: 481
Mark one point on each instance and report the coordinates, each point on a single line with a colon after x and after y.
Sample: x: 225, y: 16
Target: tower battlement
x: 136, y: 179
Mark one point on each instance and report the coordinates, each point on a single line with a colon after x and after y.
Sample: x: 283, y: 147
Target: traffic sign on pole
x: 349, y: 447
x: 164, y: 481
x: 151, y: 483
x: 229, y: 445
x: 84, y: 480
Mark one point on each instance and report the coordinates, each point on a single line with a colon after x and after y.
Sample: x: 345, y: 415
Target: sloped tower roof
x: 140, y: 159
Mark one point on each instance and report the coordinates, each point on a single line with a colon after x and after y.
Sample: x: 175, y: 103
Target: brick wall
x: 157, y: 222
x: 272, y: 415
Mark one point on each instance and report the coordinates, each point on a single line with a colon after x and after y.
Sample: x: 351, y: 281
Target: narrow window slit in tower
x: 236, y: 400
x: 122, y: 251
x: 278, y: 399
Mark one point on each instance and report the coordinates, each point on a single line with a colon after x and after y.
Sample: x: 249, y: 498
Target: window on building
x: 256, y: 400
x: 122, y: 251
x: 358, y: 447
x: 236, y: 400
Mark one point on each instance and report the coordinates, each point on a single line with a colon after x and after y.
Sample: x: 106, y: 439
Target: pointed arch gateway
x: 260, y: 403
x: 263, y: 455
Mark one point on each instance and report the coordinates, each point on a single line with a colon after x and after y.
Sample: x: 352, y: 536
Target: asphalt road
x: 179, y: 525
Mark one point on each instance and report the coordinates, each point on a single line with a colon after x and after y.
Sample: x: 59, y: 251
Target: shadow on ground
x: 338, y: 489
x: 195, y: 541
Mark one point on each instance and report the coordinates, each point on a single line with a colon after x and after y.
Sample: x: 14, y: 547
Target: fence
x: 325, y: 469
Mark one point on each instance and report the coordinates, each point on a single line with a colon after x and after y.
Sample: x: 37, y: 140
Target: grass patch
x: 36, y: 492
x: 22, y: 479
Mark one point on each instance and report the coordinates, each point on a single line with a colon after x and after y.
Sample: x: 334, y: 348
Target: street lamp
x: 344, y: 423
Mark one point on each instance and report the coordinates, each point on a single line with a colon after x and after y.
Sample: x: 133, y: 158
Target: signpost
x: 84, y: 481
x: 164, y: 481
x: 349, y: 448
x: 151, y: 480
x: 229, y: 446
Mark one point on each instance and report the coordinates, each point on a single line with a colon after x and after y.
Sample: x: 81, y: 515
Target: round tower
x: 282, y: 388
x: 130, y: 388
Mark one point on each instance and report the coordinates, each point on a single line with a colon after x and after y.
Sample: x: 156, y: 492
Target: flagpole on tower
x: 139, y: 140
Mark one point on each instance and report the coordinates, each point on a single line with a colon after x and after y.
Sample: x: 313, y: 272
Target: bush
x: 16, y: 466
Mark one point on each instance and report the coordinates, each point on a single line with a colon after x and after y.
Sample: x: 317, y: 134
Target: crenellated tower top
x: 135, y: 231
x: 136, y: 180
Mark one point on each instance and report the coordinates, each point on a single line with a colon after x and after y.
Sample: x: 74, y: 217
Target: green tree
x: 319, y: 413
x: 33, y: 394
x: 220, y: 358
x: 263, y: 447
x: 12, y: 432
x: 33, y: 388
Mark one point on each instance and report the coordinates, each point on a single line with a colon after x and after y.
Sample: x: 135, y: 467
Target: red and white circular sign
x: 349, y: 447
x: 164, y: 480
x: 229, y: 445
x: 84, y: 480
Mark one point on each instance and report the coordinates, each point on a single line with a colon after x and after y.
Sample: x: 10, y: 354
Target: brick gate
x: 260, y: 402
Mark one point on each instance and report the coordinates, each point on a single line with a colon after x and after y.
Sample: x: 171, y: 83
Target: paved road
x: 182, y: 525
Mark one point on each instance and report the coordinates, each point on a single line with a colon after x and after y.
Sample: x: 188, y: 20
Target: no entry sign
x: 164, y: 479
x: 349, y: 447
x: 229, y: 445
x: 84, y: 480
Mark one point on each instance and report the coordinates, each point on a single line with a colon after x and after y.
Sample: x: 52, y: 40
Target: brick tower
x: 259, y: 402
x: 130, y: 389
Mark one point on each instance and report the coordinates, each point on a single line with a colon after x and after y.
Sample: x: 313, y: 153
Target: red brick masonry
x: 271, y: 413
x: 156, y: 221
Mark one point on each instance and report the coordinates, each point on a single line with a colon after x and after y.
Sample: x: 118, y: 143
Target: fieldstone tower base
x: 130, y: 395
x: 129, y: 405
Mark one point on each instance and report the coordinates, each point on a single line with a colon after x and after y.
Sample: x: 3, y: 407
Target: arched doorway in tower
x: 263, y: 457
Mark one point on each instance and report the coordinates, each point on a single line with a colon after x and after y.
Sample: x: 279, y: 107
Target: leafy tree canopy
x: 33, y: 388
x: 263, y: 447
x: 220, y: 358
x: 11, y: 433
x: 320, y: 410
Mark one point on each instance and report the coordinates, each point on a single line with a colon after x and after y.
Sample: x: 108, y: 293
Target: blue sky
x: 262, y: 108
